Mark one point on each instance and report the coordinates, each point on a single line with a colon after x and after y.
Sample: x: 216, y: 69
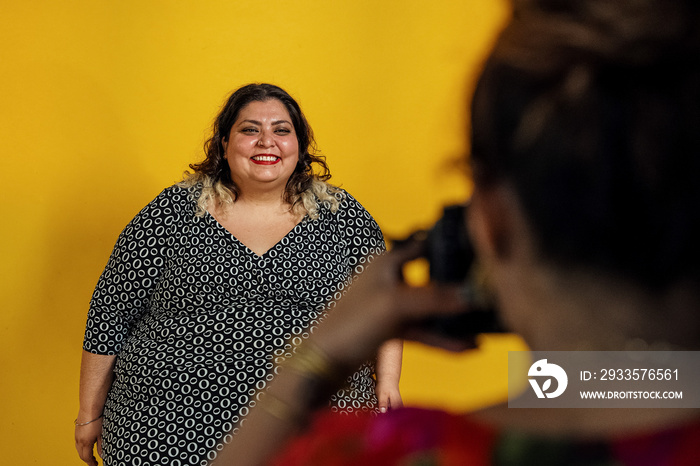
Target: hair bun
x: 627, y: 32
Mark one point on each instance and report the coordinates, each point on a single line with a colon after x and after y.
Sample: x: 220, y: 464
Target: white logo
x: 543, y: 369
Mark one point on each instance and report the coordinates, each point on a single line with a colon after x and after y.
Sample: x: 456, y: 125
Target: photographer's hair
x: 591, y: 111
x: 305, y: 190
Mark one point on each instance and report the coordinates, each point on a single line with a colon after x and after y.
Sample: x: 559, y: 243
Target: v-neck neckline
x: 243, y: 246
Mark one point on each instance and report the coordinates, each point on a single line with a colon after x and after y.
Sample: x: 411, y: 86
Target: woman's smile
x: 265, y: 159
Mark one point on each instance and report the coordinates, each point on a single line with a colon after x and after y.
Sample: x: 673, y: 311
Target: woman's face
x: 262, y: 148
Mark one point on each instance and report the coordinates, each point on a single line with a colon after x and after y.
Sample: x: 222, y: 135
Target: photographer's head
x: 586, y: 157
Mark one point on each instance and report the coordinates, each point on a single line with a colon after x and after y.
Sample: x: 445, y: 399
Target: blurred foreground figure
x: 585, y: 216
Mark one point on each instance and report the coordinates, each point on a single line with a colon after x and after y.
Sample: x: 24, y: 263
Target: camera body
x: 451, y: 259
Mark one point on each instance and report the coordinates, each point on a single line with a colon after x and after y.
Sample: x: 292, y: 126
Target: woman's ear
x: 491, y: 222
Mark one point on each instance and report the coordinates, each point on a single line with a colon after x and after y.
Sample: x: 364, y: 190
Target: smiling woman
x: 215, y: 283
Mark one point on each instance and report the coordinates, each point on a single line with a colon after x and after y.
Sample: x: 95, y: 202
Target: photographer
x: 585, y: 156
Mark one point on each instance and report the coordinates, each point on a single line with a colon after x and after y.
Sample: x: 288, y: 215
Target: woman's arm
x: 107, y: 329
x: 95, y: 379
x: 388, y: 371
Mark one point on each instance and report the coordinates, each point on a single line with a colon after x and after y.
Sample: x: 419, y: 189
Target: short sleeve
x: 362, y: 233
x: 123, y: 291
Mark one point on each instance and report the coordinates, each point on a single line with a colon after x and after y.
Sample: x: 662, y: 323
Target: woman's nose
x: 266, y: 139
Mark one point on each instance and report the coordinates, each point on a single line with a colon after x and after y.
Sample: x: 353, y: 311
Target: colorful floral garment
x: 419, y: 437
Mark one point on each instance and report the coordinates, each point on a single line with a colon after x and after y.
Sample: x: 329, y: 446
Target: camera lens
x: 448, y: 249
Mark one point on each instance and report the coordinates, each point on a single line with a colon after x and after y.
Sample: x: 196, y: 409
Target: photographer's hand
x: 378, y: 306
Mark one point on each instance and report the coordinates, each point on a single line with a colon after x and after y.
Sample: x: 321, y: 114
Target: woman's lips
x: 265, y: 159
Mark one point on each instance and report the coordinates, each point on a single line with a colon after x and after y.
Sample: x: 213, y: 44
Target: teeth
x: 265, y: 158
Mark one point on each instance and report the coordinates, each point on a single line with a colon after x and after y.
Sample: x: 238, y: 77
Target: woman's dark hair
x: 591, y: 110
x: 216, y: 168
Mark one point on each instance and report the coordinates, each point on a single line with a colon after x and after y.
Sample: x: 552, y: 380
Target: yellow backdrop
x: 105, y: 103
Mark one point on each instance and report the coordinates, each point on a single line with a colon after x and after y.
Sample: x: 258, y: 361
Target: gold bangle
x: 310, y: 360
x: 280, y: 409
x: 78, y: 424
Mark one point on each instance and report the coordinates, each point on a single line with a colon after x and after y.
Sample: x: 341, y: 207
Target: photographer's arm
x: 377, y: 307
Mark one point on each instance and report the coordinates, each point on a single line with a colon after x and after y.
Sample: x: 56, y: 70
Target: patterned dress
x: 199, y: 322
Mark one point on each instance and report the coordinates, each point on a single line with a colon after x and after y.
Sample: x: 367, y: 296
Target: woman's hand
x: 388, y: 372
x: 388, y: 396
x: 85, y: 439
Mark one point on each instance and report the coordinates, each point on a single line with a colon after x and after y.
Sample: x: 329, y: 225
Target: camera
x: 451, y: 258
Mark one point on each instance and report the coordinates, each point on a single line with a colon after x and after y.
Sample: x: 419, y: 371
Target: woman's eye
x: 283, y: 131
x: 249, y: 130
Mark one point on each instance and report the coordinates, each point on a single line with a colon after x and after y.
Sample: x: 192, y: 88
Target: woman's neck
x: 591, y: 311
x: 261, y: 195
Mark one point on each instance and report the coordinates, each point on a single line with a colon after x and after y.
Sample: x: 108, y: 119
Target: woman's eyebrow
x: 276, y: 122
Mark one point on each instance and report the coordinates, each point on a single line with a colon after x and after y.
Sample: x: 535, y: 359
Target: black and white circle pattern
x: 199, y: 323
